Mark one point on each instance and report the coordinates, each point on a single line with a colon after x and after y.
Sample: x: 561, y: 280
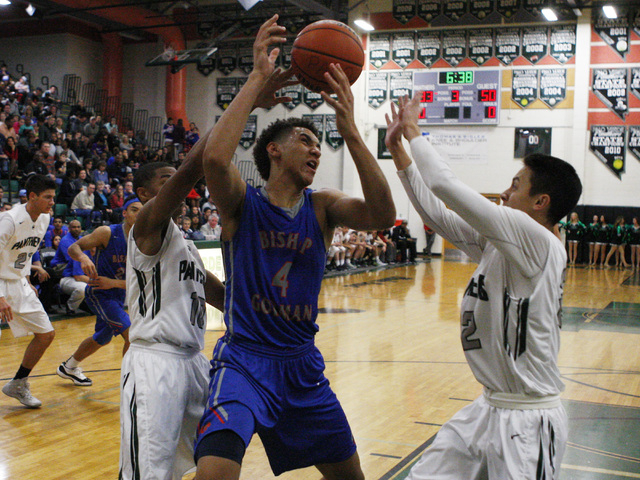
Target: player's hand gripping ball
x: 320, y: 44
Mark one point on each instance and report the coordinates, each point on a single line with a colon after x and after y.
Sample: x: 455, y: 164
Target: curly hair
x: 274, y: 132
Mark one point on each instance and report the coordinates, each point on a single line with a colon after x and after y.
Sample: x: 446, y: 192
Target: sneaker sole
x: 18, y: 398
x: 75, y: 381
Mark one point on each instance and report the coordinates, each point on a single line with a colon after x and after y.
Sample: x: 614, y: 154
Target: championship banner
x: 378, y: 87
x: 285, y: 53
x: 404, y: 10
x: 636, y: 21
x: 481, y: 45
x: 429, y: 45
x: 481, y: 8
x: 293, y: 91
x: 311, y: 99
x: 524, y: 87
x: 454, y: 48
x: 379, y: 46
x: 507, y: 44
x: 614, y: 31
x: 635, y: 82
x: 207, y: 66
x: 226, y: 91
x: 249, y: 134
x: 454, y: 10
x: 403, y: 48
x: 318, y: 122
x: 532, y: 140
x: 553, y: 86
x: 334, y: 139
x: 400, y: 84
x: 534, y: 7
x: 245, y: 57
x: 227, y: 58
x: 607, y: 143
x: 508, y: 8
x: 563, y: 43
x: 610, y: 86
x: 633, y: 141
x: 534, y: 43
x: 383, y: 151
x: 429, y: 9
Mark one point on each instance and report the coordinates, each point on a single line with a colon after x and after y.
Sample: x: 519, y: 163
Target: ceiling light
x: 247, y: 4
x: 549, y: 14
x: 364, y: 25
x: 5, y: 2
x: 30, y: 10
x: 609, y: 11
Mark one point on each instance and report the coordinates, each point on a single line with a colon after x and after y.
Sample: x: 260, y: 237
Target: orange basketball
x: 320, y: 44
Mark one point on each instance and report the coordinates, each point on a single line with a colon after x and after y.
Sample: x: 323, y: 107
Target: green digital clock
x: 455, y: 77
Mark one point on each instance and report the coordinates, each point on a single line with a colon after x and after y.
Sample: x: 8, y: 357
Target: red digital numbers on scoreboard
x: 487, y: 95
x: 427, y: 96
x: 423, y: 113
x: 490, y: 112
x: 455, y: 95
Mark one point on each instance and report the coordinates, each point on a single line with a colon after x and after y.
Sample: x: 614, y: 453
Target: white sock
x: 72, y: 362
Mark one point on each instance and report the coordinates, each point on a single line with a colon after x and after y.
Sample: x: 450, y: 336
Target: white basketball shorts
x: 28, y: 313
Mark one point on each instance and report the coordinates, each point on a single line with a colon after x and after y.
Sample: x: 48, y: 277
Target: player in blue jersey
x: 267, y: 374
x: 105, y: 292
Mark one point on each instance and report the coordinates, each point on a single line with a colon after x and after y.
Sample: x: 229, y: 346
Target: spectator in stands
x: 47, y: 157
x: 406, y: 244
x: 82, y: 181
x: 125, y: 144
x: 112, y: 126
x: 58, y: 228
x: 50, y: 96
x: 61, y: 170
x: 68, y: 284
x: 128, y: 190
x: 179, y: 136
x: 430, y: 235
x: 55, y: 243
x: 37, y: 165
x: 192, y: 136
x: 78, y: 110
x: 212, y: 230
x: 380, y: 248
x: 47, y: 127
x: 118, y: 169
x: 391, y: 250
x: 185, y: 227
x: 22, y: 196
x: 167, y: 131
x: 69, y: 188
x: 116, y: 202
x: 22, y: 87
x: 9, y: 158
x: 92, y: 128
x: 100, y: 174
x: 84, y: 205
x: 65, y: 148
x: 102, y: 194
x: 336, y: 252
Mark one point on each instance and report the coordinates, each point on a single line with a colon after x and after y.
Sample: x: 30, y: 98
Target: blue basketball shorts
x: 111, y: 318
x: 285, y: 399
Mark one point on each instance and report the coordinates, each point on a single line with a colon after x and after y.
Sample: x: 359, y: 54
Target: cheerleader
x: 617, y: 241
x: 602, y: 239
x: 590, y: 239
x: 633, y: 237
x: 575, y: 230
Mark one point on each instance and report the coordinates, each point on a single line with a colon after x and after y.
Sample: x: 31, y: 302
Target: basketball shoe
x: 19, y: 388
x: 74, y: 374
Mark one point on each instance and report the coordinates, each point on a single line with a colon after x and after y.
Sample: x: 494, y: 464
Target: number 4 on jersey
x: 280, y: 278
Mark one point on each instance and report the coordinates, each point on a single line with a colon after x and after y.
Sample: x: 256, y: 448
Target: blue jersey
x: 62, y: 254
x: 111, y: 262
x: 274, y: 266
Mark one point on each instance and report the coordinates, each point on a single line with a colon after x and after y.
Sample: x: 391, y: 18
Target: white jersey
x: 511, y: 310
x: 165, y: 292
x: 20, y: 238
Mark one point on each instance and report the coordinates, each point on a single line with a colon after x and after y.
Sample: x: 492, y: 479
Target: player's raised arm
x: 223, y: 178
x: 377, y: 210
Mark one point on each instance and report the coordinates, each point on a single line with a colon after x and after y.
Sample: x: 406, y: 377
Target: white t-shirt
x: 511, y: 310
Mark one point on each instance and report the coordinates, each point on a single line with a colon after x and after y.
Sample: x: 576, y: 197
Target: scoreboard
x: 470, y: 97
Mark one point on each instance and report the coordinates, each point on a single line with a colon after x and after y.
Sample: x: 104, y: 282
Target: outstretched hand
x: 394, y: 128
x: 270, y: 34
x: 343, y: 105
x: 278, y: 79
x: 409, y: 113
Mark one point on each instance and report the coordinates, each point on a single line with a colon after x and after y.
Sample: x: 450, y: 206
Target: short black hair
x: 276, y: 131
x: 145, y: 174
x: 556, y: 178
x: 39, y: 183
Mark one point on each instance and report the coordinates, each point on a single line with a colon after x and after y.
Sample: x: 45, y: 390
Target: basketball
x: 320, y: 44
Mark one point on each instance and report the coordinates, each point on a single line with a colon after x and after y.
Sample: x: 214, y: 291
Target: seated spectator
x: 125, y: 144
x: 112, y: 126
x: 379, y: 247
x: 185, y: 227
x: 68, y: 283
x: 66, y: 149
x: 37, y: 165
x: 10, y: 158
x: 179, y: 134
x: 22, y: 196
x: 101, y: 200
x: 118, y: 169
x: 116, y: 201
x: 391, y: 250
x: 58, y: 228
x: 405, y: 244
x: 212, y: 230
x: 336, y: 252
x: 92, y: 128
x: 69, y: 188
x: 84, y: 205
x: 128, y: 190
x: 196, y: 224
x: 41, y: 280
x: 61, y: 170
x: 192, y: 136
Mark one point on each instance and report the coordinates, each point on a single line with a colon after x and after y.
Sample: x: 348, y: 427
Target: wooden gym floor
x: 390, y: 338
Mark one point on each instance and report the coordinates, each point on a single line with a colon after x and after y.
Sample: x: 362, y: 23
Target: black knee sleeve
x: 222, y: 443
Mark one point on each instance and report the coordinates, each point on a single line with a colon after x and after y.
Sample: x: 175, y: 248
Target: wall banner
x: 607, y: 143
x: 508, y: 8
x: 429, y: 9
x: 454, y: 10
x: 404, y: 10
x: 524, y: 87
x: 534, y: 43
x: 634, y: 86
x: 454, y: 48
x: 226, y: 91
x: 207, y: 66
x: 403, y: 50
x: 295, y: 92
x: 553, y: 86
x: 481, y: 8
x: 311, y: 99
x: 318, y: 122
x: 610, y: 86
x: 249, y: 134
x: 379, y: 46
x: 614, y: 31
x: 378, y: 87
x: 563, y: 43
x: 480, y: 45
x: 633, y: 141
x: 400, y: 84
x: 227, y: 58
x: 245, y: 57
x: 429, y: 47
x: 334, y: 139
x: 507, y: 44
